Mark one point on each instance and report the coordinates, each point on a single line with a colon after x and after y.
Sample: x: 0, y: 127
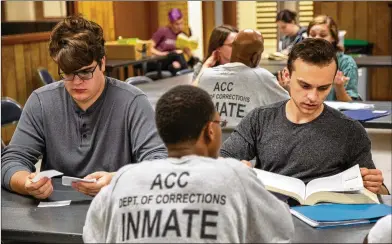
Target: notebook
x: 332, y: 215
x: 366, y: 114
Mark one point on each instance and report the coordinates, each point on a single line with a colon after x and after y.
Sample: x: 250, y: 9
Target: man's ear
x: 208, y: 132
x: 103, y: 64
x: 286, y: 75
x: 255, y: 59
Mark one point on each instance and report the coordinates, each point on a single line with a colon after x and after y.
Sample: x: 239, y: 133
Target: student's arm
x: 242, y: 142
x: 347, y: 91
x: 359, y: 152
x: 146, y: 143
x: 19, y: 157
x: 156, y: 52
x: 268, y: 218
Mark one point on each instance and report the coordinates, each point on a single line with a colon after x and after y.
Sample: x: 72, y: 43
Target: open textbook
x: 348, y: 105
x: 183, y: 41
x: 345, y: 187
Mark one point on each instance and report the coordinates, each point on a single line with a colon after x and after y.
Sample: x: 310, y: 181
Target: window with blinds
x: 265, y: 23
x: 305, y: 10
x: 261, y: 15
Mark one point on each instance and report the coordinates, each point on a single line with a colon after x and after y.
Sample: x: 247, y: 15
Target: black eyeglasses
x: 82, y: 74
x: 222, y: 123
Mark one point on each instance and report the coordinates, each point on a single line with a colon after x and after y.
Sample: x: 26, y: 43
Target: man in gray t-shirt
x: 86, y: 125
x: 241, y: 85
x: 302, y: 137
x: 192, y: 196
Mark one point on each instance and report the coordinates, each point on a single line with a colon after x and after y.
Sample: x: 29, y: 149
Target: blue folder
x: 331, y: 214
x: 365, y: 114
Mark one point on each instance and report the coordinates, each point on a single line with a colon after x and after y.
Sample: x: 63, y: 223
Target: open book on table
x: 345, y: 187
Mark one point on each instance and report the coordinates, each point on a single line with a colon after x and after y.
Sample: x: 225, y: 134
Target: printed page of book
x: 282, y: 184
x: 349, y: 180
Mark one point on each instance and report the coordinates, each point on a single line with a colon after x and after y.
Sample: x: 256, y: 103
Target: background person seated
x: 288, y: 26
x: 241, y: 85
x: 219, y: 48
x: 192, y: 196
x: 164, y: 44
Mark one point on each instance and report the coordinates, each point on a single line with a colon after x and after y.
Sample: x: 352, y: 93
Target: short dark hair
x: 181, y: 114
x: 313, y: 51
x: 286, y: 16
x: 76, y: 42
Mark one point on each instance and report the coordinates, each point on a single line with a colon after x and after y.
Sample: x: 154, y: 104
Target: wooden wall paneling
x: 8, y: 81
x: 230, y: 13
x: 35, y: 63
x: 346, y: 20
x: 381, y: 86
x: 20, y: 74
x: 153, y: 16
x: 208, y: 9
x: 131, y: 19
x: 331, y: 9
x: 28, y: 69
x: 361, y: 20
x: 317, y: 8
x: 100, y: 12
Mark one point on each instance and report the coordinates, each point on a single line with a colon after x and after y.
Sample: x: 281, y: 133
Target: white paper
x: 348, y: 105
x: 67, y: 180
x: 281, y: 182
x: 348, y: 180
x: 54, y: 204
x: 47, y: 173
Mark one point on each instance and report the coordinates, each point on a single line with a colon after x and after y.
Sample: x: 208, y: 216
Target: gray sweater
x: 325, y: 146
x: 118, y: 129
x: 192, y: 199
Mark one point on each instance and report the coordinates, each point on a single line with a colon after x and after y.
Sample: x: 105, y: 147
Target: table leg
x: 126, y: 72
x: 159, y: 69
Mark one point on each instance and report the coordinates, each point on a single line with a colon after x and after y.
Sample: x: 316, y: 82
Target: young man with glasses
x: 241, y: 85
x: 86, y: 125
x: 192, y: 196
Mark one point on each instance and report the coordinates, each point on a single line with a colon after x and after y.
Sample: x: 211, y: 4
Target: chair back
x: 10, y: 111
x: 45, y: 76
x: 138, y: 80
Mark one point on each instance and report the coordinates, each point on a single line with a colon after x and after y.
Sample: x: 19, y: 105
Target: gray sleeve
x: 196, y: 70
x: 359, y: 148
x: 95, y: 224
x: 27, y: 143
x: 268, y: 219
x: 146, y: 143
x: 241, y: 143
x: 276, y: 93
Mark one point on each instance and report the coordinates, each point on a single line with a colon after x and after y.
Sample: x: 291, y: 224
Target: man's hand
x: 41, y: 189
x: 247, y: 163
x: 212, y: 60
x: 372, y: 180
x: 283, y: 79
x: 103, y: 178
x: 340, y: 79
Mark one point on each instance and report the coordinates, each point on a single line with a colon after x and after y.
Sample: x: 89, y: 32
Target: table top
x: 362, y: 61
x: 115, y: 63
x: 156, y: 89
x: 22, y: 220
x: 383, y: 122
